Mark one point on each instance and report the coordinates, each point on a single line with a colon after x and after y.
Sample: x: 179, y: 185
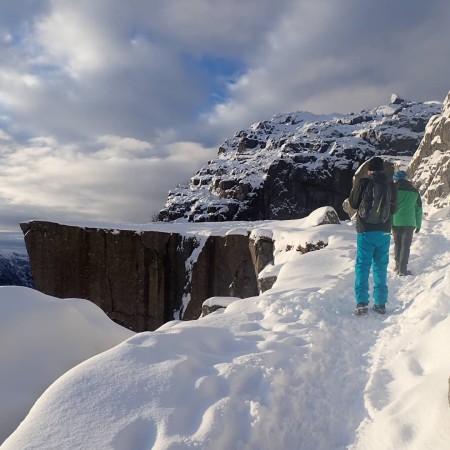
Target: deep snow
x: 41, y: 338
x: 290, y: 369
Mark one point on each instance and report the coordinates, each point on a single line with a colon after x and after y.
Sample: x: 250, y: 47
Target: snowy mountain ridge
x: 294, y: 163
x: 15, y: 269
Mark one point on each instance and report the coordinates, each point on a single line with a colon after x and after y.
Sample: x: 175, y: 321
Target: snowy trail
x: 401, y: 370
x: 332, y: 371
x: 352, y: 361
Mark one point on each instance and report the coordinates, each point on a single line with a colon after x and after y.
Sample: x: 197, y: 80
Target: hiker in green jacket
x: 406, y: 220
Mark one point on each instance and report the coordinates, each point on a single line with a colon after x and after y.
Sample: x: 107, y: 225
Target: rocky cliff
x: 294, y: 163
x: 141, y: 279
x: 430, y: 166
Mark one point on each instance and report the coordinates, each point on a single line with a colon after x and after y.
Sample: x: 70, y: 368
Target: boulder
x: 266, y: 283
x: 214, y: 304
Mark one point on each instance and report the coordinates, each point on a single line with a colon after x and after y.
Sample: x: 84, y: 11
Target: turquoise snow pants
x: 372, y: 251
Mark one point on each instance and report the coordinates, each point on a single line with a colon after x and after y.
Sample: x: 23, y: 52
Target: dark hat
x: 375, y: 164
x: 400, y: 175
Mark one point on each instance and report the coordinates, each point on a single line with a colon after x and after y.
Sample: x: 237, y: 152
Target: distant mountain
x: 15, y: 269
x: 286, y: 167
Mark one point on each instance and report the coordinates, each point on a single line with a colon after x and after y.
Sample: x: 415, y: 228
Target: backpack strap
x: 363, y: 183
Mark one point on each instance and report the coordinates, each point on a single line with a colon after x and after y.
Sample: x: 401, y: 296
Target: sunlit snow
x: 290, y: 369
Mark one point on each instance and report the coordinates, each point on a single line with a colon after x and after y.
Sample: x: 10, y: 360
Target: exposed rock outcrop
x: 140, y: 279
x: 295, y: 163
x: 144, y: 278
x: 224, y: 267
x: 430, y: 166
x: 214, y: 304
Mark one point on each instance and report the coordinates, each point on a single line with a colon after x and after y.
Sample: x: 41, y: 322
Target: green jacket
x: 409, y: 212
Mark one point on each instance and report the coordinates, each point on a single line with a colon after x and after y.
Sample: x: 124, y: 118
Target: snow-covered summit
x: 288, y: 166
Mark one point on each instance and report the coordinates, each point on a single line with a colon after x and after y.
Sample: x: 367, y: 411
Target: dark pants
x: 402, y: 241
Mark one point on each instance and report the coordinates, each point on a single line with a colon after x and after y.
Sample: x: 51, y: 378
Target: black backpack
x: 375, y: 206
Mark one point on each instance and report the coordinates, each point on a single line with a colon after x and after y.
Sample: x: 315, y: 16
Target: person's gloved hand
x: 417, y: 230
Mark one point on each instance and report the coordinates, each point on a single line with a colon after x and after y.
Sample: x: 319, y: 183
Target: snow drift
x: 41, y: 338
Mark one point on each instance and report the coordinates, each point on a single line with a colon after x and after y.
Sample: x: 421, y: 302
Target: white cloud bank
x: 111, y: 178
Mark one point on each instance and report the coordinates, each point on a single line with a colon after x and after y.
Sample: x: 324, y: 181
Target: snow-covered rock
x: 289, y: 166
x: 213, y: 304
x: 430, y: 167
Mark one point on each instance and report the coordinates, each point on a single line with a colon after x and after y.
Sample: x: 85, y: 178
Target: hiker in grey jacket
x: 373, y: 239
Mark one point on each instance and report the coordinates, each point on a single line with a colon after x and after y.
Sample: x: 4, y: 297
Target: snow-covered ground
x: 290, y: 369
x: 41, y: 338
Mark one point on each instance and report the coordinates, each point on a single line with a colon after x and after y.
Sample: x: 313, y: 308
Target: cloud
x: 68, y: 39
x: 108, y: 67
x: 90, y: 68
x: 78, y: 71
x: 328, y: 56
x: 105, y: 106
x: 113, y: 178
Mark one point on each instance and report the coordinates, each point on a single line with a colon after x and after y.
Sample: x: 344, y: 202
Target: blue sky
x: 106, y: 105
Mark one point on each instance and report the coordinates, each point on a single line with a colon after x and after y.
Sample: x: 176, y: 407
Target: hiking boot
x: 405, y: 273
x: 361, y: 308
x: 381, y: 309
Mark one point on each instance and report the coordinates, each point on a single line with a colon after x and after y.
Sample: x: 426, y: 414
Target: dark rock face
x: 115, y: 270
x: 224, y: 268
x: 140, y: 279
x: 266, y: 283
x: 143, y: 279
x: 262, y: 253
x: 295, y: 163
